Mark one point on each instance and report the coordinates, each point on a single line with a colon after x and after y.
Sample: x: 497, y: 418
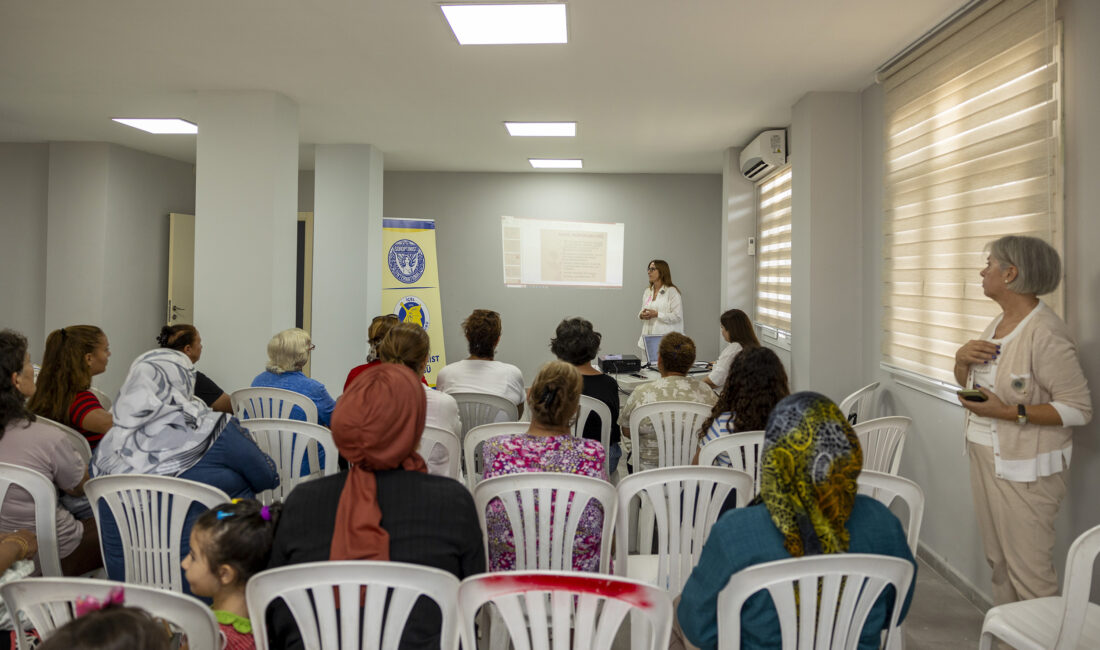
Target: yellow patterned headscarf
x: 809, y: 468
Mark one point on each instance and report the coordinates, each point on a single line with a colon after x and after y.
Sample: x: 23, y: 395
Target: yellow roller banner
x: 410, y: 281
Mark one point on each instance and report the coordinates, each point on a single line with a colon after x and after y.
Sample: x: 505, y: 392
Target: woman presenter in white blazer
x: 662, y: 308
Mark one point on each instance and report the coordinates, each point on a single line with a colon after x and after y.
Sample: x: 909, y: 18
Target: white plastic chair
x: 435, y: 436
x: 476, y: 409
x: 676, y: 425
x: 79, y: 443
x: 44, y: 494
x: 740, y: 451
x: 375, y: 599
x: 270, y: 403
x: 1066, y: 622
x: 860, y: 405
x: 544, y: 510
x: 150, y: 512
x: 563, y: 610
x: 882, y: 440
x: 288, y: 442
x: 474, y: 438
x: 49, y: 603
x: 590, y: 405
x: 848, y: 584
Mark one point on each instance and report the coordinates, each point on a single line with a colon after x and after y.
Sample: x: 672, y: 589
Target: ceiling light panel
x: 556, y: 163
x: 170, y: 125
x: 507, y: 24
x: 542, y: 129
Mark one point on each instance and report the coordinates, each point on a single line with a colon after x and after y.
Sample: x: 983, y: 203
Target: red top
x: 84, y: 403
x: 358, y: 370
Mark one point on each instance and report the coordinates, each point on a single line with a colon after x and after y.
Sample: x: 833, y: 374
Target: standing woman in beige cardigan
x: 1019, y: 440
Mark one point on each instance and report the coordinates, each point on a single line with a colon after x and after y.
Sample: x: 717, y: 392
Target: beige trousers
x: 1017, y: 525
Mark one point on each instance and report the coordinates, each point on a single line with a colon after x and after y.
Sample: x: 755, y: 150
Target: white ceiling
x: 656, y: 86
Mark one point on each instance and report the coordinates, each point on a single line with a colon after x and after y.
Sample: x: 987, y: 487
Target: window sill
x: 774, y: 337
x: 932, y: 387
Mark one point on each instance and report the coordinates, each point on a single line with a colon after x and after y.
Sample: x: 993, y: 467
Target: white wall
x: 673, y: 217
x: 24, y: 174
x: 738, y: 281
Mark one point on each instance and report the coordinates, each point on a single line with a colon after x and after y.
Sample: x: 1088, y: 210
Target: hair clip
x: 62, y: 330
x: 237, y: 500
x: 265, y: 513
x: 222, y: 514
x: 548, y: 396
x: 87, y: 604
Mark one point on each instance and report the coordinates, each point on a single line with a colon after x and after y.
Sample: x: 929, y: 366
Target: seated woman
x: 409, y: 345
x: 480, y: 373
x: 45, y: 449
x: 161, y: 429
x: 807, y: 506
x: 287, y: 353
x: 386, y: 507
x: 186, y: 339
x: 756, y: 383
x: 73, y: 356
x: 738, y: 333
x: 379, y: 327
x: 576, y: 342
x: 548, y: 446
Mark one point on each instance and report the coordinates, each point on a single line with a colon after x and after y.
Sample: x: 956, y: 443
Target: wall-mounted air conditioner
x: 765, y: 153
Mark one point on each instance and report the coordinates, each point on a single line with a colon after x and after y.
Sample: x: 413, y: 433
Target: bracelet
x: 24, y: 547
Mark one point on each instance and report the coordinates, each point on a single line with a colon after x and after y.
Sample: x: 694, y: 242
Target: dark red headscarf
x: 376, y: 425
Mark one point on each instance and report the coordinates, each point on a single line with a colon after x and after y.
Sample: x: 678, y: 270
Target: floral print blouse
x: 529, y: 453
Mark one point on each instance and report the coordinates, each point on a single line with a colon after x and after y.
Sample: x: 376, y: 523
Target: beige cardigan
x: 1039, y: 365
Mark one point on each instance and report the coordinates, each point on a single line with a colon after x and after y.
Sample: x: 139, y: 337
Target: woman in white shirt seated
x: 408, y: 345
x: 738, y: 332
x: 480, y: 373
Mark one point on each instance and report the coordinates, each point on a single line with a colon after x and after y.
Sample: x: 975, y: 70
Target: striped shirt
x: 83, y: 404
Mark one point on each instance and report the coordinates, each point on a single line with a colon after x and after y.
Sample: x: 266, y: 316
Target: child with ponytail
x: 229, y: 545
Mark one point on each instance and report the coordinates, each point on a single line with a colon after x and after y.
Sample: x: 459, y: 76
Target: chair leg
x: 986, y: 641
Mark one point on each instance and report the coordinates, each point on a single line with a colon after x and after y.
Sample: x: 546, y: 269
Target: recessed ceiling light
x: 507, y: 24
x: 158, y: 125
x: 543, y: 129
x: 556, y: 163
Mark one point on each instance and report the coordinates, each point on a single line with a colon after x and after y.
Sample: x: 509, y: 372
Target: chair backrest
x: 740, y: 451
x: 544, y: 510
x: 1075, y: 592
x: 676, y: 425
x: 270, y: 403
x: 476, y: 409
x: 886, y: 488
x: 104, y: 399
x: 150, y: 512
x: 848, y: 585
x: 435, y: 436
x: 590, y: 405
x: 288, y: 442
x: 78, y: 442
x: 346, y: 605
x: 44, y: 494
x: 686, y: 502
x: 860, y: 405
x: 49, y: 603
x: 474, y: 438
x: 563, y: 610
x: 882, y: 440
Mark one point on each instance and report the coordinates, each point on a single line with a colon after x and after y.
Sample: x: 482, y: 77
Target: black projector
x: 617, y: 363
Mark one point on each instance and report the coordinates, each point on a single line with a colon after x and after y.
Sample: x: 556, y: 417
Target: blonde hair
x: 406, y: 344
x: 556, y: 394
x: 379, y: 327
x: 288, y: 351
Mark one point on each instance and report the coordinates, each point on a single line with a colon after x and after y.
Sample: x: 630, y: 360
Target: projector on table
x: 617, y: 363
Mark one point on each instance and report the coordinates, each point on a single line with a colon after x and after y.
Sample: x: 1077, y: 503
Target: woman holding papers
x: 662, y: 308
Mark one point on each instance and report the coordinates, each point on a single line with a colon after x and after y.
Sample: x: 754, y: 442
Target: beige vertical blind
x: 973, y: 152
x: 773, y: 251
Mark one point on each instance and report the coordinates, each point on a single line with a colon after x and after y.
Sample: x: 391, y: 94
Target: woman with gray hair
x: 1018, y: 434
x: 287, y: 353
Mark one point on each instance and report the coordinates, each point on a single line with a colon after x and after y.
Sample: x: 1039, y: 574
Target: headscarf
x: 376, y: 425
x: 159, y: 425
x: 809, y: 467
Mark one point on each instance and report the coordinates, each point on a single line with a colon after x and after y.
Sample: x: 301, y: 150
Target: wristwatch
x: 1021, y: 415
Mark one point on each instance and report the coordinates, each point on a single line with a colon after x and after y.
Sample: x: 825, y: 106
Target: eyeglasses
x: 312, y: 347
x: 651, y: 268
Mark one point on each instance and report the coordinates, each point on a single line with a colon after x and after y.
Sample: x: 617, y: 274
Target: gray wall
x: 24, y: 171
x: 933, y: 450
x: 673, y: 217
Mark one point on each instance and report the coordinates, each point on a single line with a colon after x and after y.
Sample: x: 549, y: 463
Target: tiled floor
x: 940, y: 617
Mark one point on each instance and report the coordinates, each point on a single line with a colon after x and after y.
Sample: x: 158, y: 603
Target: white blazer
x: 670, y: 313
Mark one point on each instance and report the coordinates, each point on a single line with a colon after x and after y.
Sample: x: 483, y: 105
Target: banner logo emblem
x: 411, y: 309
x: 406, y: 261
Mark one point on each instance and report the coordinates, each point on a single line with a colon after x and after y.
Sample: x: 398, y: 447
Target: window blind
x: 773, y: 254
x: 973, y: 152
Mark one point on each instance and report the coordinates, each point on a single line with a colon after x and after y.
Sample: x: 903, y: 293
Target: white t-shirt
x: 721, y: 370
x: 442, y: 411
x: 480, y: 376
